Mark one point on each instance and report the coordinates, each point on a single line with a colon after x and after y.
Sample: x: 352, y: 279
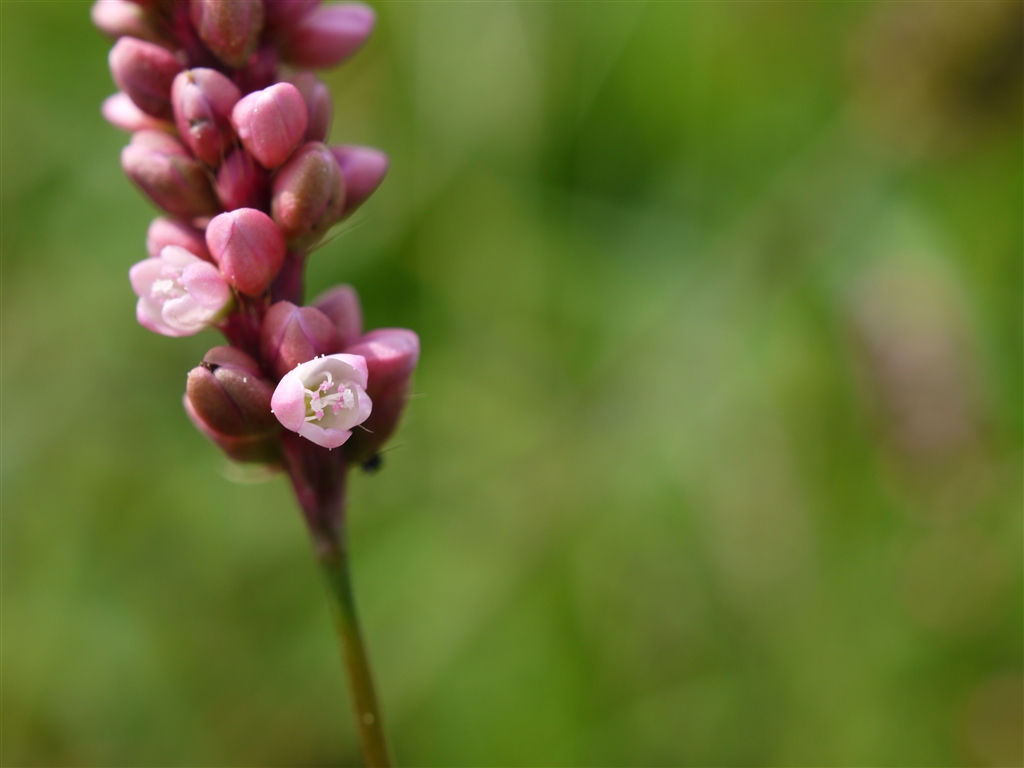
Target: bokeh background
x: 716, y: 454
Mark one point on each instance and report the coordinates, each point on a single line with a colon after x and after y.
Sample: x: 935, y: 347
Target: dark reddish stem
x: 242, y: 327
x: 289, y: 284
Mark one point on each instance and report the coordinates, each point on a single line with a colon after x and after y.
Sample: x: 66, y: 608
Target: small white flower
x: 324, y: 399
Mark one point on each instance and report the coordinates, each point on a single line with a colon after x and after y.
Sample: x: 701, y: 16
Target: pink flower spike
x: 230, y: 28
x: 249, y: 248
x: 163, y: 232
x: 271, y: 123
x: 341, y: 305
x: 179, y: 294
x: 202, y: 100
x: 145, y: 72
x: 329, y: 35
x: 120, y: 111
x: 363, y: 169
x: 324, y: 415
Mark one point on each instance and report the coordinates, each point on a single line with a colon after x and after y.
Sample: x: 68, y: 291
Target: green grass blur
x: 716, y: 457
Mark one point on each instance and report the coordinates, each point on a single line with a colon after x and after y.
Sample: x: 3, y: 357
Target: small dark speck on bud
x: 373, y: 464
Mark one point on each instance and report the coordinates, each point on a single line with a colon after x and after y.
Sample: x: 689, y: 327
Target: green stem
x: 334, y: 560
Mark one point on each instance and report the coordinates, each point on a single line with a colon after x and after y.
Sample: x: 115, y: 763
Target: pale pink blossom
x: 179, y: 293
x: 120, y: 111
x: 324, y: 399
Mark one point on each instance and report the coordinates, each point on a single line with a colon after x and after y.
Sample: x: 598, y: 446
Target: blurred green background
x: 716, y: 457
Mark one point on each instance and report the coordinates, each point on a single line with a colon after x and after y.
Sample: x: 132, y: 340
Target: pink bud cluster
x: 228, y: 135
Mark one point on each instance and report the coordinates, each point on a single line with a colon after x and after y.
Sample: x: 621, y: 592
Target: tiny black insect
x: 373, y: 464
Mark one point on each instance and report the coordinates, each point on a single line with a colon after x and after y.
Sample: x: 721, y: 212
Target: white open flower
x: 179, y: 293
x: 323, y: 399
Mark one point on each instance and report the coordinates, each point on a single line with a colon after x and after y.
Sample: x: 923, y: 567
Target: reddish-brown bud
x: 292, y: 335
x: 262, y: 449
x: 228, y: 392
x: 145, y: 72
x: 230, y: 28
x: 281, y: 16
x: 165, y: 171
x: 308, y: 195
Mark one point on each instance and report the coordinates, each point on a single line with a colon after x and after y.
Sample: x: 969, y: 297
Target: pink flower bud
x: 248, y: 247
x: 271, y: 123
x: 230, y: 28
x: 120, y: 111
x: 163, y: 232
x: 242, y: 182
x: 318, y: 103
x: 145, y: 72
x: 281, y: 16
x: 264, y: 449
x: 165, y: 171
x: 391, y: 355
x: 324, y: 399
x: 328, y: 35
x: 122, y: 18
x: 341, y: 305
x: 291, y: 335
x: 308, y: 195
x: 260, y: 70
x: 179, y: 293
x: 190, y: 48
x: 228, y: 392
x: 202, y: 100
x: 363, y: 169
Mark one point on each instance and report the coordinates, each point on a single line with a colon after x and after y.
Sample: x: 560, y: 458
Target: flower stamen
x: 340, y: 400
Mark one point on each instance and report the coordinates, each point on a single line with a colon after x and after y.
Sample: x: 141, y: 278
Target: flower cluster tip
x: 228, y: 130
